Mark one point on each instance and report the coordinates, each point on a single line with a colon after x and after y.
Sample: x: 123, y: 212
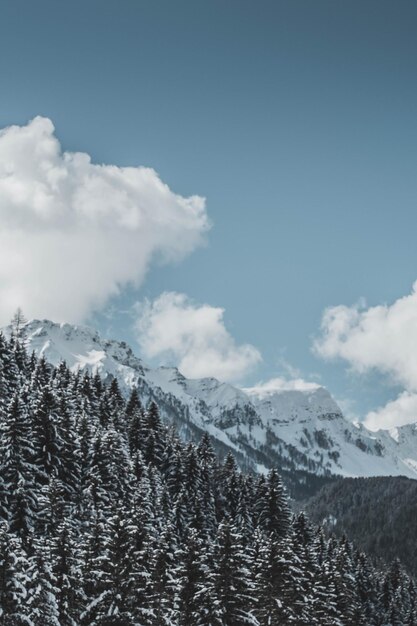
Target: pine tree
x: 273, y: 509
x: 272, y: 582
x: 190, y: 576
x: 69, y: 467
x: 205, y: 451
x: 41, y: 593
x: 47, y: 441
x: 135, y: 422
x: 346, y: 589
x: 232, y: 577
x: 14, y: 580
x: 108, y: 518
x: 365, y: 590
x: 153, y: 436
x: 117, y: 575
x: 17, y: 495
x: 164, y: 587
x: 11, y: 375
x: 300, y: 594
x: 66, y: 565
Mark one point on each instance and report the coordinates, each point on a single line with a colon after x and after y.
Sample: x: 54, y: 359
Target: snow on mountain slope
x: 296, y: 430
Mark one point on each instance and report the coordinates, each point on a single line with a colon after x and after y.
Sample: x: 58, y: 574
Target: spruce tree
x: 273, y: 510
x: 47, y: 443
x: 41, y: 591
x: 190, y: 576
x: 233, y: 582
x: 17, y: 491
x: 109, y: 518
x: 14, y: 580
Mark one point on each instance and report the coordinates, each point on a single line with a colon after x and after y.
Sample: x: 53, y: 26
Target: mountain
x: 302, y: 432
x: 107, y: 518
x: 378, y: 514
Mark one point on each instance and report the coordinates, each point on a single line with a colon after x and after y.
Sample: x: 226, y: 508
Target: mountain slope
x: 301, y: 432
x: 108, y: 519
x: 378, y: 514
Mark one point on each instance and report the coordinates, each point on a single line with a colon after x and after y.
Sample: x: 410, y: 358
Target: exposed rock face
x: 297, y: 431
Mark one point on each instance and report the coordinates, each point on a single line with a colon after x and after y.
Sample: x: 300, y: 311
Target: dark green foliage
x: 272, y: 506
x: 378, y: 514
x: 107, y: 518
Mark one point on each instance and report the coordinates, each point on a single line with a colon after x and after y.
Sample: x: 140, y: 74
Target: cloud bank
x: 193, y: 337
x: 402, y: 410
x: 382, y: 338
x: 275, y: 385
x: 72, y: 233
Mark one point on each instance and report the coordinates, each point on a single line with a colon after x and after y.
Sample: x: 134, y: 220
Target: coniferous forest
x: 378, y: 513
x: 106, y: 517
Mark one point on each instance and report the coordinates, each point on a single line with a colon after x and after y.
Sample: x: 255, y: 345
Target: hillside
x: 107, y: 518
x: 303, y: 433
x: 378, y: 514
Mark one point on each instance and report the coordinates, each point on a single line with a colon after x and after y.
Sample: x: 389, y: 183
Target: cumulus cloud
x: 275, y: 385
x: 382, y: 338
x: 72, y: 232
x: 402, y: 410
x: 193, y: 337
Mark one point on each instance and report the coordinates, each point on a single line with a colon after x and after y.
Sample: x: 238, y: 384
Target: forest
x: 379, y: 514
x: 108, y: 518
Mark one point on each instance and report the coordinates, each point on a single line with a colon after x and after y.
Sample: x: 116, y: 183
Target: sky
x: 229, y: 186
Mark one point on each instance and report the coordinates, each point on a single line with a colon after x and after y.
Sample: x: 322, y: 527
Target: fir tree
x: 273, y: 510
x: 232, y: 577
x: 17, y: 494
x: 41, y: 592
x: 108, y: 518
x: 48, y: 443
x: 190, y: 576
x: 14, y: 580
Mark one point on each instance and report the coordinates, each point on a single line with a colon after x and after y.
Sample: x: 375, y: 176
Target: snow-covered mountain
x: 304, y: 432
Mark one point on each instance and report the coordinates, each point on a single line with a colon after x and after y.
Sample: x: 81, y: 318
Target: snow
x: 411, y: 463
x: 307, y: 419
x: 93, y: 358
x: 394, y: 434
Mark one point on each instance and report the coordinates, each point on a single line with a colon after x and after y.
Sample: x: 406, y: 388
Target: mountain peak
x: 293, y: 425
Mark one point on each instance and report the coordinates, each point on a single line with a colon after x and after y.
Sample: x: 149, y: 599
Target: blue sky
x: 294, y: 119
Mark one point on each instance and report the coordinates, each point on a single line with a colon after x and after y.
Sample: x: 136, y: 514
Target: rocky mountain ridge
x: 302, y: 432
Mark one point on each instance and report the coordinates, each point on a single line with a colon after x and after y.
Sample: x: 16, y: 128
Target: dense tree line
x: 107, y: 518
x: 378, y: 514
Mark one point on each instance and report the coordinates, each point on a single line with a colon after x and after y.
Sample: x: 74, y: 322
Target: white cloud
x: 402, y: 410
x: 72, y: 233
x: 193, y: 337
x: 288, y: 369
x: 382, y: 338
x: 275, y: 385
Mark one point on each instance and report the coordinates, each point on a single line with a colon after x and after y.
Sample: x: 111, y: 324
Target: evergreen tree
x: 233, y: 583
x: 190, y: 576
x: 273, y: 510
x: 66, y: 566
x: 108, y: 518
x: 164, y: 584
x: 14, y: 580
x: 41, y: 592
x: 47, y: 441
x: 17, y: 494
